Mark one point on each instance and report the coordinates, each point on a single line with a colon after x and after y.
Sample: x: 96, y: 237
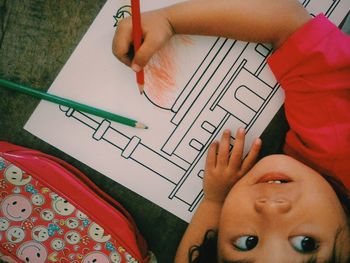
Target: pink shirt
x: 313, y: 67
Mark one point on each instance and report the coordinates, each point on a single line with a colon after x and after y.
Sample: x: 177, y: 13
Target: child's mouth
x: 274, y: 178
x: 277, y: 182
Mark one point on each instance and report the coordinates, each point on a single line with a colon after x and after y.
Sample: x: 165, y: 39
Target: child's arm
x: 250, y: 20
x: 222, y: 171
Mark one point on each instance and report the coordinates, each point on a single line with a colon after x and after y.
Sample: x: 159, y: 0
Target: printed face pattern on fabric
x: 32, y: 251
x: 96, y: 257
x: 4, y: 224
x: 57, y: 244
x: 38, y: 199
x: 72, y: 223
x: 38, y: 225
x: 62, y: 206
x: 15, y: 234
x: 97, y: 233
x: 16, y: 207
x: 47, y: 214
x: 40, y: 233
x: 115, y: 257
x: 15, y: 176
x: 72, y: 237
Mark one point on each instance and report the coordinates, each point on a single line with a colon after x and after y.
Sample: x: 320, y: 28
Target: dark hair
x: 207, y: 251
x: 341, y: 192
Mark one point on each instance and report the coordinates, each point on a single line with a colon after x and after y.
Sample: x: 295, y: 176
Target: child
x: 283, y: 208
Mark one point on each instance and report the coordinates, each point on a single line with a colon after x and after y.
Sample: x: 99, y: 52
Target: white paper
x: 212, y: 84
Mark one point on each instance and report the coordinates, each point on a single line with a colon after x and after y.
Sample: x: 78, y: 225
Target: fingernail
x: 241, y: 130
x: 214, y: 143
x: 227, y: 131
x: 136, y: 67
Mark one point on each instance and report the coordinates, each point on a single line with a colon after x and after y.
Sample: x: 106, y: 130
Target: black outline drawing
x: 122, y: 12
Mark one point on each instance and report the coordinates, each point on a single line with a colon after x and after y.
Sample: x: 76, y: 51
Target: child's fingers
x: 249, y: 161
x: 237, y: 151
x: 211, y: 156
x: 145, y: 52
x: 151, y: 44
x: 224, y: 148
x: 122, y: 41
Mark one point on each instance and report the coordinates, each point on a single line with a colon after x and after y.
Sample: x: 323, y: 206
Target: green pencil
x: 72, y: 104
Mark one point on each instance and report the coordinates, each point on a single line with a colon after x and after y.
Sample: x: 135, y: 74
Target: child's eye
x: 304, y: 244
x: 245, y: 243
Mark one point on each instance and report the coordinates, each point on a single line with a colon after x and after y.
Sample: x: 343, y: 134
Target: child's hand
x: 223, y: 171
x: 156, y: 31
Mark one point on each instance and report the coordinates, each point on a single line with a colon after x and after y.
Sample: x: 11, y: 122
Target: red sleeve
x: 313, y: 67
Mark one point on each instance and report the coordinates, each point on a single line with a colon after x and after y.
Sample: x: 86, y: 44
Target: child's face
x: 288, y: 222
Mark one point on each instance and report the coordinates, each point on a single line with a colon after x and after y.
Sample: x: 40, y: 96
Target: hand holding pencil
x: 137, y: 37
x: 134, y: 45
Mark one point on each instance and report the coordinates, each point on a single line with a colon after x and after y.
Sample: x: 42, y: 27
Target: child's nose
x: 272, y: 206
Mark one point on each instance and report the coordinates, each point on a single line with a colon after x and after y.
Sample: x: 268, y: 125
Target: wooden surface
x: 36, y: 39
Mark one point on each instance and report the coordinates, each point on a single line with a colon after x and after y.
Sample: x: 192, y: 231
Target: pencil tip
x: 140, y: 88
x: 141, y: 125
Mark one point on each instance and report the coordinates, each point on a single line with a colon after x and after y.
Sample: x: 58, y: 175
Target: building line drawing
x: 204, y: 94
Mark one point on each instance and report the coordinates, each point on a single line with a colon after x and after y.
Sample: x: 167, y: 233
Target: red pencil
x: 137, y: 36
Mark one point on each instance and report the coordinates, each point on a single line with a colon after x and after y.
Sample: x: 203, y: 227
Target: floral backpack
x: 51, y: 212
